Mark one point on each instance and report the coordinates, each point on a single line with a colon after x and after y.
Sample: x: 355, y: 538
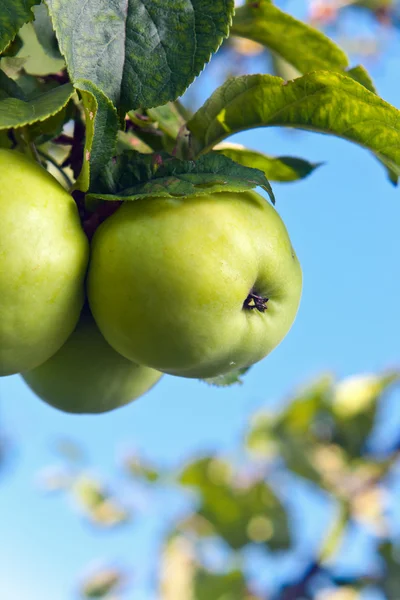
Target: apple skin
x: 43, y: 260
x: 168, y: 279
x: 87, y: 376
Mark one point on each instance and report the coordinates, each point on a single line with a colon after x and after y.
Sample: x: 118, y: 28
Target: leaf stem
x: 23, y: 140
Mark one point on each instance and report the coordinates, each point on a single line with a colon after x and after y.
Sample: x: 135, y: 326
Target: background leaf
x: 45, y: 32
x: 240, y: 514
x: 37, y: 62
x: 276, y: 168
x: 304, y: 47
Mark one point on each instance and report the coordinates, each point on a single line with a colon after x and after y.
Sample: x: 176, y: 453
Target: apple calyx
x: 254, y: 301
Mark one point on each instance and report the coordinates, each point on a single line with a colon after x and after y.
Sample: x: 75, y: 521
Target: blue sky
x: 344, y: 224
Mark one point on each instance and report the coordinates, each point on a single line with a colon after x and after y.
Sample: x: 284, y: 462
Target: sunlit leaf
x: 306, y: 48
x: 321, y: 101
x: 360, y: 74
x: 276, y: 168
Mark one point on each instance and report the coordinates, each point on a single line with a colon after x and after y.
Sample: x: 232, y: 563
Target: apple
x: 87, y: 376
x: 194, y: 286
x: 43, y: 261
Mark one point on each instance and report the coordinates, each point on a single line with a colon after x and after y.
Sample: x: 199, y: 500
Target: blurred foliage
x: 325, y: 435
x: 321, y: 438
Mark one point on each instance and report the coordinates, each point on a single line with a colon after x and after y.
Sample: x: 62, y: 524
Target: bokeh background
x: 96, y: 504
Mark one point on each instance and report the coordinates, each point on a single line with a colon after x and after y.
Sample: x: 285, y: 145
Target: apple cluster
x: 193, y: 286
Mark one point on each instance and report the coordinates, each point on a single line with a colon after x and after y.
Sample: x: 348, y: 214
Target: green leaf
x: 13, y: 48
x: 96, y: 503
x: 298, y: 417
x: 240, y: 514
x: 132, y: 176
x: 360, y: 74
x: 102, y: 125
x: 293, y: 433
x: 13, y: 14
x: 322, y: 101
x: 139, y: 53
x: 354, y: 407
x: 276, y: 168
x: 16, y: 111
x: 44, y: 131
x: 168, y: 118
x: 5, y: 141
x: 391, y: 579
x: 37, y: 61
x: 219, y: 586
x: 228, y: 378
x: 138, y: 469
x: 102, y: 584
x: 304, y: 47
x: 45, y: 32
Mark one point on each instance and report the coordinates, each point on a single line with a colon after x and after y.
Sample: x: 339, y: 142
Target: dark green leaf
x: 132, y: 176
x: 13, y: 48
x: 44, y: 131
x: 15, y: 111
x: 5, y: 141
x: 391, y: 568
x: 276, y: 168
x: 302, y: 46
x: 322, y: 101
x: 13, y: 14
x: 139, y: 53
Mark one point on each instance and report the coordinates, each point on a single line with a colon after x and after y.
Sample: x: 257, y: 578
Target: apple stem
x: 254, y: 301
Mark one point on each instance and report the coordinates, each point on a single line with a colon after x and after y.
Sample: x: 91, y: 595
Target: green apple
x: 194, y: 286
x: 87, y: 376
x: 43, y: 260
